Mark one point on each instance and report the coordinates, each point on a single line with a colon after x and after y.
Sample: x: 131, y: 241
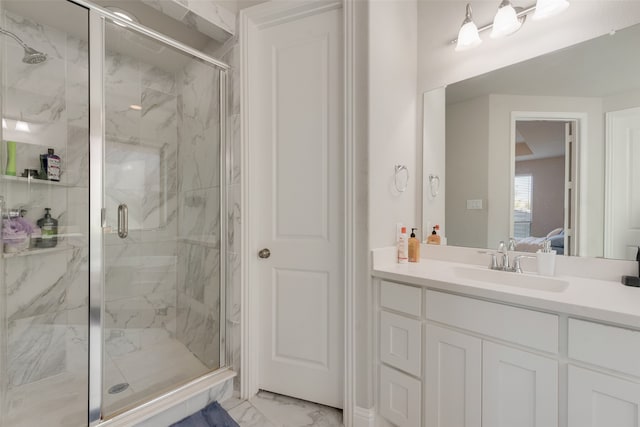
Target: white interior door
x: 570, y: 189
x: 622, y: 215
x: 296, y: 188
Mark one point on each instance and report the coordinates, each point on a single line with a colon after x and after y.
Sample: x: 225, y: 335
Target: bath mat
x: 213, y: 415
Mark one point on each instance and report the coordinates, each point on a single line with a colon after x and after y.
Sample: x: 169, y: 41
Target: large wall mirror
x: 548, y: 148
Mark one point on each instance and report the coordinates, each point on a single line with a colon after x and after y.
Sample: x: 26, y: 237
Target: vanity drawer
x: 400, y: 398
x: 403, y: 298
x: 517, y: 325
x: 607, y: 346
x: 400, y: 342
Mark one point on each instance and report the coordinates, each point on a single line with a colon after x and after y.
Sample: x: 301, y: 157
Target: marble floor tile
x: 246, y: 415
x: 284, y: 411
x: 231, y: 403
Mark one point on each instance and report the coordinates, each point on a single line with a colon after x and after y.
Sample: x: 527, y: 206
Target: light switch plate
x: 474, y: 204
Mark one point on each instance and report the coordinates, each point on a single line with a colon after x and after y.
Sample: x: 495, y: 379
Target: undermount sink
x: 540, y: 283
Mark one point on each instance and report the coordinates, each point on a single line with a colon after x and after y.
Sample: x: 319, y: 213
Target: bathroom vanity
x: 461, y: 345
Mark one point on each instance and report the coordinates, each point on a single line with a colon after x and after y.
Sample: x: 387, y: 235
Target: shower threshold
x: 170, y: 399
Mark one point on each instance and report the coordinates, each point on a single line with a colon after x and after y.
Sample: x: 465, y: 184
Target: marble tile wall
x: 42, y: 289
x: 232, y: 57
x: 206, y: 17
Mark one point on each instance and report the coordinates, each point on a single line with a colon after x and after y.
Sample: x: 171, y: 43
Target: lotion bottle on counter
x: 434, y: 238
x: 414, y: 247
x: 403, y: 246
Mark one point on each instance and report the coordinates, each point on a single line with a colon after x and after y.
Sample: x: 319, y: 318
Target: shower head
x: 31, y: 56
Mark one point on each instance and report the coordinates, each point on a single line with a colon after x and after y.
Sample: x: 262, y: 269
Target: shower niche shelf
x: 35, y: 181
x: 38, y: 251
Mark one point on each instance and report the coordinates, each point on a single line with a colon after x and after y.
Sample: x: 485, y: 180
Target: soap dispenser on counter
x: 414, y: 247
x: 546, y: 259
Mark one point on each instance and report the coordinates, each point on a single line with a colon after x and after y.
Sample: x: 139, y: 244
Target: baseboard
x: 364, y: 417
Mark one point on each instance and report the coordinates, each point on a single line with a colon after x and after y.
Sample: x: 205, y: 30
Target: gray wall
x: 467, y: 154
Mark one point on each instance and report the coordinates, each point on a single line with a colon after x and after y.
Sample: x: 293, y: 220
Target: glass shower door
x: 162, y: 306
x: 44, y: 261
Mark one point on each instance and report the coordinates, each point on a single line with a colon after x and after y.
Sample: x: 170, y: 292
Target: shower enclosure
x: 123, y: 300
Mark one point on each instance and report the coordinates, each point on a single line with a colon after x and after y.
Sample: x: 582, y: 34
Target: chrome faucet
x: 503, y: 263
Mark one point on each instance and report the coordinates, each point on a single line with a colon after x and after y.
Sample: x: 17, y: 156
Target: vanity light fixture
x: 508, y: 20
x: 4, y: 123
x: 468, y: 36
x: 547, y: 8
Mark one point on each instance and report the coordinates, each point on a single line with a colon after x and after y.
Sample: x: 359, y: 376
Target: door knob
x: 264, y: 253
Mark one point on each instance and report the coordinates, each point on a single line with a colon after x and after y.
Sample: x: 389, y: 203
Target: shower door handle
x: 123, y: 221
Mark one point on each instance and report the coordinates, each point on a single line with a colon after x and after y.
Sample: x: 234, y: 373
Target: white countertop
x: 597, y: 299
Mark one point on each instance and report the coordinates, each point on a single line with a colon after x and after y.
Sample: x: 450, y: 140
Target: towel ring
x: 399, y: 169
x: 434, y: 185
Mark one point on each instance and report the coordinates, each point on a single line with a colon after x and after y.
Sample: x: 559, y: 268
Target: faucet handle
x: 512, y: 244
x: 516, y: 262
x: 501, y: 247
x: 493, y: 264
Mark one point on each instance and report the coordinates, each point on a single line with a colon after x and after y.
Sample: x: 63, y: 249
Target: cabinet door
x: 400, y: 342
x: 399, y: 398
x: 519, y: 388
x: 599, y: 400
x: 453, y: 379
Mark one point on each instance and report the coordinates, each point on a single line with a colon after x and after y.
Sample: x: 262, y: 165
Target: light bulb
x: 506, y: 21
x: 547, y: 8
x: 468, y: 36
x: 4, y: 124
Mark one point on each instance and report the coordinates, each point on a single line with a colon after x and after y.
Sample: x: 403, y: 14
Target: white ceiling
x: 600, y: 67
x: 544, y: 138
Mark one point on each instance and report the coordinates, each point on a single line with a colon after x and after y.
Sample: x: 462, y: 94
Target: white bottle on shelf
x: 403, y: 246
